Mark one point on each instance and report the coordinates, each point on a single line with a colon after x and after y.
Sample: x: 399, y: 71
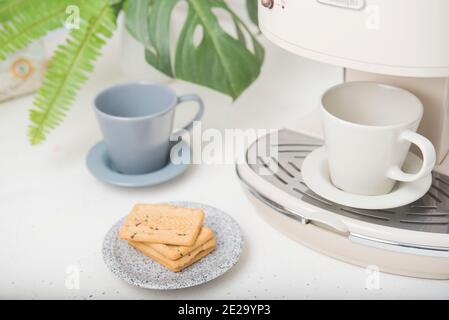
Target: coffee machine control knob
x: 268, y: 3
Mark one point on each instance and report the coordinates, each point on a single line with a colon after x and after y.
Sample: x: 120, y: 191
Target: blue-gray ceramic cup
x: 136, y: 120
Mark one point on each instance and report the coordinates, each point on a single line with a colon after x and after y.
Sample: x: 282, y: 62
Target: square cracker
x: 180, y: 264
x: 173, y: 252
x: 162, y: 223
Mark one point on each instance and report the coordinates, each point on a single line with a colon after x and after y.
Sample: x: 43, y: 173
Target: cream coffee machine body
x: 399, y: 42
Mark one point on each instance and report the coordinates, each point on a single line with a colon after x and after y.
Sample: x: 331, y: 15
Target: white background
x: 54, y: 214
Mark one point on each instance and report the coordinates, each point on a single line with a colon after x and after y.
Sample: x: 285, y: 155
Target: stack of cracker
x: 172, y: 236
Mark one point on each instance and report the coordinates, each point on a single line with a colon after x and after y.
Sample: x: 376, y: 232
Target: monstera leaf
x: 218, y: 60
x: 252, y: 7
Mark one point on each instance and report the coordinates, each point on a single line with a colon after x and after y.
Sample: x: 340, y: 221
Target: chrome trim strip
x: 273, y: 205
x: 345, y: 4
x: 400, y: 247
x: 355, y: 238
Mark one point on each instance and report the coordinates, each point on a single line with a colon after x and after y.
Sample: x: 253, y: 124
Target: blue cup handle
x: 198, y: 116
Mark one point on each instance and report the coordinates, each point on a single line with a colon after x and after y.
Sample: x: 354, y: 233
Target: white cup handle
x: 428, y: 153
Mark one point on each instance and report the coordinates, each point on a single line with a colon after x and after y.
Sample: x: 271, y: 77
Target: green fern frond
x: 8, y: 8
x: 69, y: 68
x: 27, y: 20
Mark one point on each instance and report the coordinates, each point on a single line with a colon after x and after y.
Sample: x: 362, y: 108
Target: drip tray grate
x: 429, y: 214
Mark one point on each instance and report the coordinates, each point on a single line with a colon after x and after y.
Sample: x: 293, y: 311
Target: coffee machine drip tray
x: 411, y: 240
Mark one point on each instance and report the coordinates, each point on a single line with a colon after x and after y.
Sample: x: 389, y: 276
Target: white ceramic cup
x: 368, y: 130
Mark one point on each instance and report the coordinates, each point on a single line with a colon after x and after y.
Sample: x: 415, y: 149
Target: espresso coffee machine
x: 403, y: 43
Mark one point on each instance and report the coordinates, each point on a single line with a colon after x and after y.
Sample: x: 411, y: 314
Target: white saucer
x: 315, y: 172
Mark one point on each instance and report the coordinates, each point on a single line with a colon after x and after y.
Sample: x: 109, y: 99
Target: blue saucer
x: 101, y: 167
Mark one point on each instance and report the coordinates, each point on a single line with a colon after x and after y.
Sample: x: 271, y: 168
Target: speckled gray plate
x: 133, y: 267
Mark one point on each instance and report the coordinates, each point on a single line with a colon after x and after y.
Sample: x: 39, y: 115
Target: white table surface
x: 54, y: 214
